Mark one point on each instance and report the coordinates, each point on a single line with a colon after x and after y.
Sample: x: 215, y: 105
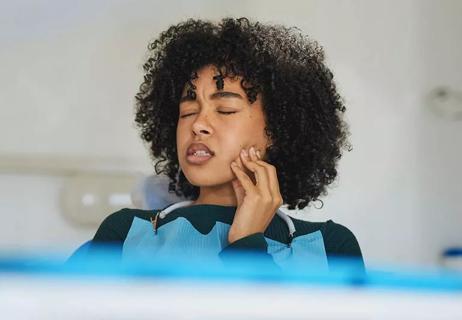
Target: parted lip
x: 196, y: 146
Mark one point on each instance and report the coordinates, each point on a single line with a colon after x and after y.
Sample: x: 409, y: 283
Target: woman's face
x: 223, y: 120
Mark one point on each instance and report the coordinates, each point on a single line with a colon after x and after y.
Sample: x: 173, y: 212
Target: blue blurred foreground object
x: 238, y: 266
x: 101, y: 285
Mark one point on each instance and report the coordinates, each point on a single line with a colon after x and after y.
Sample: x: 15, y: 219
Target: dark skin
x: 221, y: 117
x: 256, y: 202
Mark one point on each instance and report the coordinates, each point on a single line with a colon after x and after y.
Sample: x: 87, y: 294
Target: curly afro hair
x: 304, y: 112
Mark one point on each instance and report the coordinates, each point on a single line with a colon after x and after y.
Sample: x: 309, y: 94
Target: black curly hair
x: 304, y: 112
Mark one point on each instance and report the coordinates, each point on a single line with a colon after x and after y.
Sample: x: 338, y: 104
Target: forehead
x: 205, y: 78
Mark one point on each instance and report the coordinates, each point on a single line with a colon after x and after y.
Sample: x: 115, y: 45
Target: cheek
x: 241, y: 138
x: 181, y: 136
x: 254, y: 131
x: 231, y: 146
x: 181, y: 143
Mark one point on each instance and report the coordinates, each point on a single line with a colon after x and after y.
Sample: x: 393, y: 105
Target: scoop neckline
x: 208, y: 205
x: 205, y: 207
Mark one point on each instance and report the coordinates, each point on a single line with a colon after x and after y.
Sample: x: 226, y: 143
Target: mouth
x: 199, y: 157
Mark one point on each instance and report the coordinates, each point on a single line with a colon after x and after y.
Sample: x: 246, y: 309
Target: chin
x: 199, y: 179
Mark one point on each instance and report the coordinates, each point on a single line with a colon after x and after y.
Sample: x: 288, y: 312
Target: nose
x: 201, y: 125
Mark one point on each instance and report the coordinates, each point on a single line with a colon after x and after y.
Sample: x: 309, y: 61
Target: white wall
x: 70, y: 71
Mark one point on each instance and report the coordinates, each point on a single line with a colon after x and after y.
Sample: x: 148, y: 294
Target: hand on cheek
x: 257, y: 193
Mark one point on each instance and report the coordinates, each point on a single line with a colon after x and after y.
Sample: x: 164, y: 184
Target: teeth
x: 201, y: 153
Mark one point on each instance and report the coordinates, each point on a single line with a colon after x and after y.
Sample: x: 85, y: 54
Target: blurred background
x: 70, y: 154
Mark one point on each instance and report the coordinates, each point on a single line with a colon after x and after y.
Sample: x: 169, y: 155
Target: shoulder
x: 115, y: 227
x: 338, y: 239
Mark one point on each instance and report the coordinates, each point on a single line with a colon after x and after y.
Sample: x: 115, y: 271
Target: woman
x: 242, y: 117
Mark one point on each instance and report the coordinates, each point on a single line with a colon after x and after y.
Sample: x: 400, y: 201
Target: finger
x: 246, y: 160
x: 259, y: 155
x: 271, y: 188
x: 239, y: 191
x: 255, y: 158
x: 243, y: 178
x: 239, y: 162
x: 251, y: 173
x: 261, y: 175
x: 272, y: 175
x: 245, y: 169
x: 253, y: 154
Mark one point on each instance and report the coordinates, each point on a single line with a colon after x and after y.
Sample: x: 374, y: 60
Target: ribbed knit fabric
x: 203, y: 220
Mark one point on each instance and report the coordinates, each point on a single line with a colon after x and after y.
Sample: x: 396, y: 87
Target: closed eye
x: 222, y: 112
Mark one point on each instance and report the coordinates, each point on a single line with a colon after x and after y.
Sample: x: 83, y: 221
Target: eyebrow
x: 215, y: 96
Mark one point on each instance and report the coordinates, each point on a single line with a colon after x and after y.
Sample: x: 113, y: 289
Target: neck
x: 218, y: 195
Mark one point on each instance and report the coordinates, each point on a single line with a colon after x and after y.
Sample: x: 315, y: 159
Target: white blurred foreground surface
x: 38, y: 297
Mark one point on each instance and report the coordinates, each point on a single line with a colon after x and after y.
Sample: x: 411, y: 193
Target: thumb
x: 239, y: 191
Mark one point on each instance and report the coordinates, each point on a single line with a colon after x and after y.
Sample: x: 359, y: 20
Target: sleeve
x: 114, y: 228
x: 110, y: 234
x: 254, y: 244
x: 340, y: 242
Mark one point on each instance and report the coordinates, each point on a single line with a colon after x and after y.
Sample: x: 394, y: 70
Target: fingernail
x: 252, y: 151
x: 244, y: 152
x: 234, y: 164
x: 258, y: 154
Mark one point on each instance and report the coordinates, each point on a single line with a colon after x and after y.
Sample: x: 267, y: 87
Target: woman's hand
x: 257, y: 199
